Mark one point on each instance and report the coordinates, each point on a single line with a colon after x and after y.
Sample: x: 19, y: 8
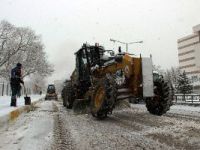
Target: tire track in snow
x: 183, y: 116
x: 62, y: 137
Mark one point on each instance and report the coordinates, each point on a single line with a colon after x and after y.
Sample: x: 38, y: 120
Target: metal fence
x: 5, y: 89
x: 187, y: 98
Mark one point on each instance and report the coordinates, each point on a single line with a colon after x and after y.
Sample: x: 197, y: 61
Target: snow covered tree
x: 38, y: 83
x: 158, y: 69
x: 12, y: 40
x: 183, y: 84
x: 19, y: 44
x: 172, y: 76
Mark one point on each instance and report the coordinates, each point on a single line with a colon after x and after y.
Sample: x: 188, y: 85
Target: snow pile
x: 5, y: 103
x: 31, y: 131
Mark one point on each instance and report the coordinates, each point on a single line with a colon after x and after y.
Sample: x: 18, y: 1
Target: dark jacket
x: 16, y: 76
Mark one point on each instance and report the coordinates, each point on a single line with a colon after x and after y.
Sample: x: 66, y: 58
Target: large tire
x: 104, y: 97
x: 161, y: 102
x: 63, y: 96
x: 68, y: 96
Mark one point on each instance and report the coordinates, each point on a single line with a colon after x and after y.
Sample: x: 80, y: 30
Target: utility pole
x: 112, y: 40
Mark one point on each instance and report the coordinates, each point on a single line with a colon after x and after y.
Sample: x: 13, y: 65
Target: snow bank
x: 5, y: 103
x: 174, y: 109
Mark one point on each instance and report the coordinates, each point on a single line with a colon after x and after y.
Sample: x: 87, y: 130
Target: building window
x: 199, y: 36
x: 186, y: 59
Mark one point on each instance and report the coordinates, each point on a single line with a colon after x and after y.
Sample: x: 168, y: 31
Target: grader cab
x: 99, y: 81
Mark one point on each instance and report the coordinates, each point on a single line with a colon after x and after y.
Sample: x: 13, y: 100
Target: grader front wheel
x: 104, y: 97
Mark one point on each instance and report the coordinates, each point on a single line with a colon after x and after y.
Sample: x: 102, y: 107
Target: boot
x: 13, y: 102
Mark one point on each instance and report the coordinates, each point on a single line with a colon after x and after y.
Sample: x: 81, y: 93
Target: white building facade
x: 189, y: 56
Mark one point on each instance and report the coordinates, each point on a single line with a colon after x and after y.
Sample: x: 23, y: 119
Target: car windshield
x: 51, y: 87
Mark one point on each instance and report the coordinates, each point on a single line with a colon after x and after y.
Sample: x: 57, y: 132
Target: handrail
x: 193, y: 98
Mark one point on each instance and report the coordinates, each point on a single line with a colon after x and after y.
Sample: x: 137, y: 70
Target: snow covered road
x: 135, y: 128
x: 51, y: 126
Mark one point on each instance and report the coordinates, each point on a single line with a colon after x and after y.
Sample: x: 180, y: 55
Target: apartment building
x: 189, y: 56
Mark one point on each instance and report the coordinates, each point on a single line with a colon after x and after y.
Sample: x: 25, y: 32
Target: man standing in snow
x: 16, y: 79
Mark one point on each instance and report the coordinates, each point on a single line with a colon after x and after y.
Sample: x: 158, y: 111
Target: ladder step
x: 79, y: 99
x: 124, y: 90
x: 120, y: 97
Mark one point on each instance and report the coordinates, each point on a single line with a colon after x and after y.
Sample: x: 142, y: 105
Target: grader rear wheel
x: 68, y: 96
x: 63, y: 97
x: 104, y: 97
x: 161, y: 102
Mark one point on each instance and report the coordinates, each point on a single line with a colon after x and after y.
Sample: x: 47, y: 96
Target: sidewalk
x: 8, y: 113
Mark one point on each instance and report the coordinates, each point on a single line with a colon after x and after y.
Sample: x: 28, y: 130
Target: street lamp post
x: 126, y: 43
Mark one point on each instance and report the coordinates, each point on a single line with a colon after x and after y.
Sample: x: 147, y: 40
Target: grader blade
x: 81, y: 106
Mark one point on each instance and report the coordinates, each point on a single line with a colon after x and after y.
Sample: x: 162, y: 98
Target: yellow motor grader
x: 101, y: 79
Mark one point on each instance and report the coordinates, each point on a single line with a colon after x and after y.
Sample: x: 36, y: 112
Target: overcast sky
x: 66, y: 24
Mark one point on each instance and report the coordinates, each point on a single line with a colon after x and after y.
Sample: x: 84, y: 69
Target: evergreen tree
x: 183, y: 84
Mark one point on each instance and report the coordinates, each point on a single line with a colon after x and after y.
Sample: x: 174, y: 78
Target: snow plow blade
x: 122, y: 104
x: 81, y: 106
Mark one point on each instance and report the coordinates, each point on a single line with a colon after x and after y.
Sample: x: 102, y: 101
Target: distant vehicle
x: 51, y: 92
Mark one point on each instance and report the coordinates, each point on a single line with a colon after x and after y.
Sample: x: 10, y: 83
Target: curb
x: 188, y: 104
x: 11, y: 116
